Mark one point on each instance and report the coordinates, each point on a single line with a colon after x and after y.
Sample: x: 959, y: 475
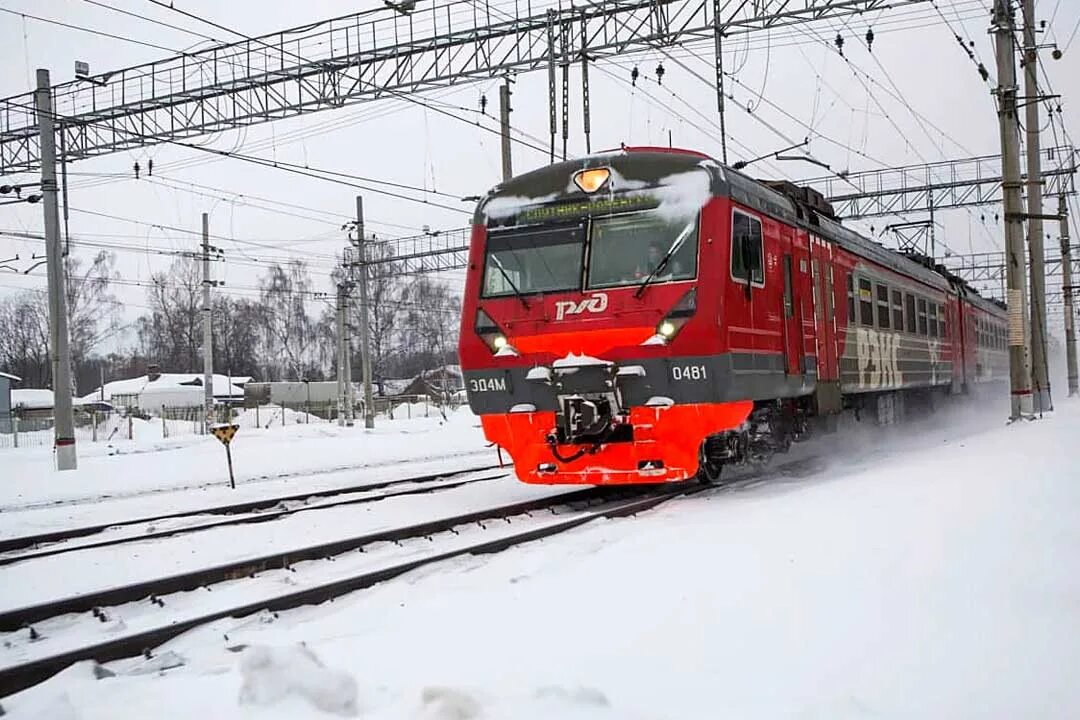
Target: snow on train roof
x: 675, y: 174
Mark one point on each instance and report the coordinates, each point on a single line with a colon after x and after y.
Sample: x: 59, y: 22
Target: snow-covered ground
x: 918, y: 576
x: 190, y: 472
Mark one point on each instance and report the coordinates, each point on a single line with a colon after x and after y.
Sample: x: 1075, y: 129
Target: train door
x: 824, y: 310
x: 792, y: 331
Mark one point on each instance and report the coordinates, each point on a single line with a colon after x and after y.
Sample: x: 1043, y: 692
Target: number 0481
x: 688, y: 372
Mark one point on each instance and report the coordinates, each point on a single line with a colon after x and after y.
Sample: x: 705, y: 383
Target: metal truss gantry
x: 437, y: 251
x: 936, y: 186
x: 354, y: 58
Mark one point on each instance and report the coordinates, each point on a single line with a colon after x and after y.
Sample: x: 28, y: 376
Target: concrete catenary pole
x: 365, y: 328
x: 504, y: 129
x: 1015, y: 257
x: 1040, y: 377
x: 341, y: 354
x: 207, y: 328
x: 350, y: 396
x: 66, y: 456
x: 1067, y: 288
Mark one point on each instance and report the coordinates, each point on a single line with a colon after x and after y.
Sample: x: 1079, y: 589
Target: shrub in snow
x: 573, y: 696
x: 272, y: 673
x: 443, y: 703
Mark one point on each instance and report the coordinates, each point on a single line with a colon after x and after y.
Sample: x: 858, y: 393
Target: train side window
x: 866, y: 303
x: 789, y: 303
x: 922, y: 316
x: 931, y: 313
x: 897, y: 310
x: 746, y: 236
x: 909, y: 310
x: 942, y: 332
x: 883, y: 306
x: 850, y: 298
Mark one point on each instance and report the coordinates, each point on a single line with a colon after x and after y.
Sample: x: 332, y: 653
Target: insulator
x: 136, y: 170
x: 839, y: 43
x: 869, y: 38
x: 634, y: 76
x: 483, y: 104
x: 660, y: 73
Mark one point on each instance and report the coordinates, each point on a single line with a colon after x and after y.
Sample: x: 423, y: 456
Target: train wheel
x: 709, y: 471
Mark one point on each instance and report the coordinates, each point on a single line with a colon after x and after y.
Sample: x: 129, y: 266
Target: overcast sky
x: 915, y: 97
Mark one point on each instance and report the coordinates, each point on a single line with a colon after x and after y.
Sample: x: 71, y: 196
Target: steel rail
x: 29, y: 541
x: 189, y: 580
x: 427, y: 485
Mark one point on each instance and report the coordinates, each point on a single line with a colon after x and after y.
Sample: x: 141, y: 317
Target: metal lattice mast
x: 354, y: 59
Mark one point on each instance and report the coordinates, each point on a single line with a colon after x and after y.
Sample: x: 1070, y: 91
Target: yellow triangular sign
x: 224, y: 433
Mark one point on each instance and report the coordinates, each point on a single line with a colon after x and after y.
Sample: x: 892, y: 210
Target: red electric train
x: 648, y: 315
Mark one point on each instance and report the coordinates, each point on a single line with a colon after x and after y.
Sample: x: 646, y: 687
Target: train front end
x: 592, y: 318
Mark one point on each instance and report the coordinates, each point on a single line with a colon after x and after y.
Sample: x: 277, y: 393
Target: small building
x: 6, y: 381
x: 148, y: 393
x: 292, y: 393
x: 436, y: 383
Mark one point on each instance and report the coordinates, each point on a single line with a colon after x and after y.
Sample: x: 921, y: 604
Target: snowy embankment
x: 141, y: 478
x: 914, y: 577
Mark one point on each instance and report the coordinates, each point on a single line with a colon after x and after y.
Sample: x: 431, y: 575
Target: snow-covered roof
x: 395, y: 386
x: 136, y: 385
x: 9, y: 376
x: 42, y: 399
x: 32, y: 399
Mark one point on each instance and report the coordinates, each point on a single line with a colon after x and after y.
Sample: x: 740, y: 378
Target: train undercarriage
x: 771, y: 428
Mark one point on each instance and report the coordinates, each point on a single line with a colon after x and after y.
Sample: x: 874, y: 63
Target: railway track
x: 247, y: 481
x: 267, y: 509
x: 396, y: 551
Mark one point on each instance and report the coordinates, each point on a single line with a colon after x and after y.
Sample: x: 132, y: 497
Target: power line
x: 91, y: 31
x: 152, y: 20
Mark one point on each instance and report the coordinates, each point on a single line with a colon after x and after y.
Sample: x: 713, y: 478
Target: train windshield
x: 533, y: 261
x: 627, y: 249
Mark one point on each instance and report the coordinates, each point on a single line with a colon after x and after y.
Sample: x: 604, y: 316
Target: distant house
x: 37, y: 403
x: 150, y: 392
x: 432, y: 382
x: 6, y: 381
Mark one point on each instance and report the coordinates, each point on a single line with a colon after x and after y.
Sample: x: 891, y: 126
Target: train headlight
x: 673, y: 322
x: 592, y: 179
x: 492, y: 335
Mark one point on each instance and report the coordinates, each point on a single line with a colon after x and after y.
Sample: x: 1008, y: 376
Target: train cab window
x: 883, y: 307
x: 866, y: 303
x: 626, y: 249
x: 897, y: 310
x: 931, y: 314
x: 922, y: 316
x: 534, y: 260
x: 747, y: 258
x: 909, y: 311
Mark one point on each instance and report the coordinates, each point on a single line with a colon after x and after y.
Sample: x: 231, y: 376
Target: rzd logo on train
x: 595, y: 303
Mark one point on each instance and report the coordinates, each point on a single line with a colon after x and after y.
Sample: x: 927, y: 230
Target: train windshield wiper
x: 678, y: 243
x: 506, y: 276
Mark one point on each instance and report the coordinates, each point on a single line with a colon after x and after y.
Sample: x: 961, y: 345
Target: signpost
x: 225, y: 433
